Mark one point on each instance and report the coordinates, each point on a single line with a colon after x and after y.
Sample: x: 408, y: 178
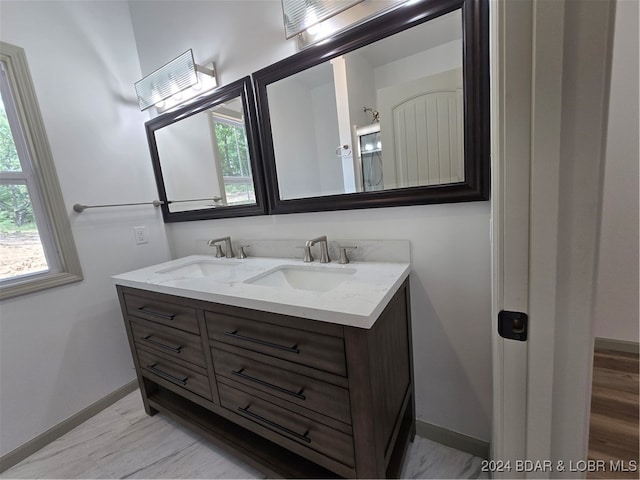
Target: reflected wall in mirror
x: 392, y: 112
x: 205, y: 157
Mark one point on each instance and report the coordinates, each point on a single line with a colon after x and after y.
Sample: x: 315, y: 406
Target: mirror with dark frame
x: 205, y: 157
x: 391, y: 112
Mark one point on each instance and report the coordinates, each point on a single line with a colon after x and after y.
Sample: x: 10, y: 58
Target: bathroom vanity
x: 301, y: 370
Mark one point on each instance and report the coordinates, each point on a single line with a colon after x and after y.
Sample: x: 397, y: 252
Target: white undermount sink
x: 197, y: 269
x: 318, y: 279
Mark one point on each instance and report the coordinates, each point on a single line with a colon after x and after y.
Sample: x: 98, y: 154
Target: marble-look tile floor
x: 123, y: 442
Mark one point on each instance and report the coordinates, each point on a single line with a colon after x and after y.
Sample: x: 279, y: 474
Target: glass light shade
x: 206, y: 81
x: 300, y: 15
x: 351, y: 17
x: 174, y: 77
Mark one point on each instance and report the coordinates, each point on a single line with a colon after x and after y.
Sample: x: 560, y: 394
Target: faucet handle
x: 307, y: 254
x: 219, y: 253
x: 343, y: 253
x: 241, y: 252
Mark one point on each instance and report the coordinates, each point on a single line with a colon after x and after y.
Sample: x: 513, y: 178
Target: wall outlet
x: 140, y: 234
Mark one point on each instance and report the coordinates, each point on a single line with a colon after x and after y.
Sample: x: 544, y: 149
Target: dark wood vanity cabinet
x: 290, y: 396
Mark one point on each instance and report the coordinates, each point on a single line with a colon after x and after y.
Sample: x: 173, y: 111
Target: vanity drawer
x: 316, y: 395
x: 164, y: 312
x: 288, y: 425
x: 169, y: 341
x: 175, y: 373
x: 300, y: 346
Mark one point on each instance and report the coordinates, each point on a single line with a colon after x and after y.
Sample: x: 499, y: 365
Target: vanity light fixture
x: 177, y: 82
x: 315, y: 21
x: 301, y: 15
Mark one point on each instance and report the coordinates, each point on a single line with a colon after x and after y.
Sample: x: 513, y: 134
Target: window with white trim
x: 233, y: 159
x: 36, y: 246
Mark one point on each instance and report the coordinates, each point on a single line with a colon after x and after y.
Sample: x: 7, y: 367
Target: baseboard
x: 23, y: 451
x: 617, y: 345
x: 452, y: 439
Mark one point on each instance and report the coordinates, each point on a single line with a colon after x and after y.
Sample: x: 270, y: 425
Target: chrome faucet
x: 324, y: 249
x: 228, y: 248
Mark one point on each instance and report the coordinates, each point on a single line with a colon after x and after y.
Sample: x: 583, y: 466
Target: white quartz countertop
x: 357, y: 301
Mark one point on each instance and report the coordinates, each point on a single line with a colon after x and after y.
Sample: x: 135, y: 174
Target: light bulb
x: 311, y: 22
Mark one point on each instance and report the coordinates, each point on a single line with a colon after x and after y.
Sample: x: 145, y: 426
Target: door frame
x: 550, y: 82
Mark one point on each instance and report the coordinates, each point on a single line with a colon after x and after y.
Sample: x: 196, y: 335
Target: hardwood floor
x: 613, y: 431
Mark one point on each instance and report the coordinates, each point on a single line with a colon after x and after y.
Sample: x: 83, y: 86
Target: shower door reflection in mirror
x: 407, y: 88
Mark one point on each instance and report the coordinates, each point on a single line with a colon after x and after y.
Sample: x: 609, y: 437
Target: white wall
x: 325, y: 126
x: 616, y: 302
x: 65, y: 348
x: 305, y: 137
x: 362, y: 91
x: 435, y: 60
x: 188, y: 160
x: 294, y: 141
x: 240, y: 36
x: 450, y: 281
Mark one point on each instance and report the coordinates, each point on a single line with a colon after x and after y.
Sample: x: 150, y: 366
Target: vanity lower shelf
x: 290, y: 396
x: 258, y: 452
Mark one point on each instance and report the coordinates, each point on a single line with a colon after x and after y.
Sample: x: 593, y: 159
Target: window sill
x: 33, y: 285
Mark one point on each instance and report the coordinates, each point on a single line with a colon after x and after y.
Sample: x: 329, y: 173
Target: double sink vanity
x: 303, y: 367
x: 300, y: 368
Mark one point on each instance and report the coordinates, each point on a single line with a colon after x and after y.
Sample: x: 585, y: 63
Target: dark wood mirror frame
x: 240, y: 88
x: 475, y: 58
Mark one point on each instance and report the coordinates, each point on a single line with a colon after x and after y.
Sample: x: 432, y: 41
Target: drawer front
x: 289, y: 425
x: 166, y: 313
x: 316, y: 395
x: 175, y: 374
x: 169, y: 341
x: 307, y: 348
